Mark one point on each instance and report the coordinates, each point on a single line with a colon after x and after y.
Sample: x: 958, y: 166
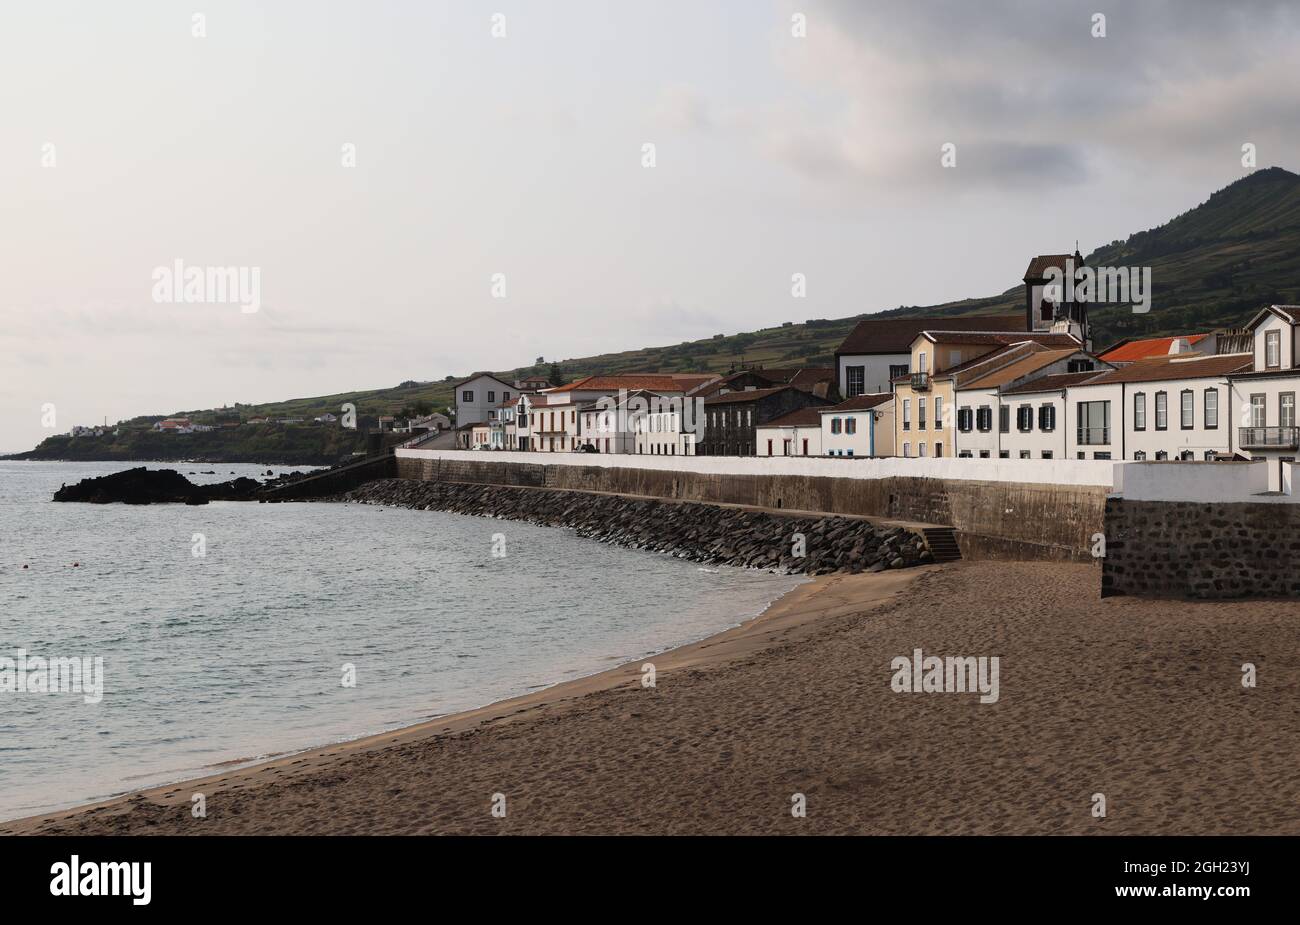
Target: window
x: 505, y: 396
x: 1025, y: 454
x: 1211, y: 408
x: 921, y: 449
x: 984, y: 454
x: 1004, y: 419
x: 907, y: 449
x: 1101, y: 456
x: 938, y: 414
x: 1286, y: 409
x: 492, y: 396
x: 850, y: 425
x: 1047, y: 417
x: 835, y: 425
x: 467, y: 395
x: 1004, y: 454
x: 1258, y: 410
x: 938, y: 450
x: 1209, y: 455
x: 1187, y: 405
x: 1161, y: 454
x: 855, y: 379
x: 1047, y: 454
x: 805, y: 446
x: 964, y: 420
x: 1139, y: 456
x: 1079, y: 366
x: 1139, y: 411
x: 1093, y: 423
x: 984, y: 419
x: 907, y: 414
x: 964, y: 454
x: 769, y: 448
x: 920, y: 412
x: 1162, y: 411
x: 897, y: 370
x: 1272, y: 349
x: 1025, y: 418
x: 921, y: 363
x: 1187, y: 456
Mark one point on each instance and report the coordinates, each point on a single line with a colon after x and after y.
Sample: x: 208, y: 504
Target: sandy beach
x: 1139, y: 700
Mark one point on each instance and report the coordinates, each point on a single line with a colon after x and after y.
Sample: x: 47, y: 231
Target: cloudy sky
x: 127, y: 143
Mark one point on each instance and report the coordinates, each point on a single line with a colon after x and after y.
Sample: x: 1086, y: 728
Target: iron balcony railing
x: 921, y: 382
x: 1094, y: 436
x: 1253, y: 438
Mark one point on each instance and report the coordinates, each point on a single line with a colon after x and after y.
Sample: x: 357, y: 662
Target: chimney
x: 1179, y: 345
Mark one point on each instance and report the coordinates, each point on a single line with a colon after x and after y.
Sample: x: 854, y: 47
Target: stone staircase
x: 943, y: 543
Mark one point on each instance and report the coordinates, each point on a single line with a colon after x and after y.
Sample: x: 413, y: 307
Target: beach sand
x: 1139, y: 700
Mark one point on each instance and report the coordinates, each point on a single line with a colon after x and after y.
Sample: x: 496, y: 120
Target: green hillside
x: 1213, y: 266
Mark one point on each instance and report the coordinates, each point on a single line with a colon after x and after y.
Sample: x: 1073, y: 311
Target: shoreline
x: 787, y: 615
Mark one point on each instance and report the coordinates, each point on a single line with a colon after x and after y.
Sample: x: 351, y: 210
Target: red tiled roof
x: 1039, y: 265
x: 746, y: 395
x: 1128, y: 350
x: 895, y: 335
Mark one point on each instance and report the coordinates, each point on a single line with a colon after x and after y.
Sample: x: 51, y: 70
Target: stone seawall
x: 994, y: 519
x: 1196, y: 550
x: 698, y: 532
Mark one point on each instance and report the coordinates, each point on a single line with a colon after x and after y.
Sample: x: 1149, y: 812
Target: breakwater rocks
x: 699, y: 532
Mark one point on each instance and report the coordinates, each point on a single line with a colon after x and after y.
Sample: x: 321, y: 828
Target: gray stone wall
x: 997, y: 520
x: 1185, y: 549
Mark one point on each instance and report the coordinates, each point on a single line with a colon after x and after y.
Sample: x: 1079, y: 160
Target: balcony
x: 1269, y: 438
x: 920, y: 382
x: 1093, y: 436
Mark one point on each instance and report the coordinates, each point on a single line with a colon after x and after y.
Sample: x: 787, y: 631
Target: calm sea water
x: 238, y: 654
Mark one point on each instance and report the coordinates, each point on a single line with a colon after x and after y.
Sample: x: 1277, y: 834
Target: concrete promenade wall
x: 1038, y: 509
x: 1194, y: 549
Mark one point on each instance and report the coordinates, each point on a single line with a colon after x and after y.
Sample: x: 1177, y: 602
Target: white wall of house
x: 875, y: 371
x: 1268, y: 403
x: 789, y: 440
x: 1175, y: 440
x: 974, y: 443
x: 839, y: 441
x: 1038, y: 441
x: 660, y: 433
x: 1286, y: 339
x: 1096, y: 444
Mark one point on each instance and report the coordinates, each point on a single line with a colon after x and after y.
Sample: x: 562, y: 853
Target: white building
x: 478, y: 395
x: 1172, y: 407
x: 798, y: 433
x: 859, y: 426
x: 1262, y: 401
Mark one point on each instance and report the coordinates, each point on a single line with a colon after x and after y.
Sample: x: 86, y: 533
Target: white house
x: 1032, y: 417
x: 478, y: 395
x: 985, y: 420
x: 1171, y: 407
x: 859, y: 426
x: 798, y: 433
x: 1262, y: 400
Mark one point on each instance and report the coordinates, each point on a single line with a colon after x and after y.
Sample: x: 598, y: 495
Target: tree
x: 556, y: 375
